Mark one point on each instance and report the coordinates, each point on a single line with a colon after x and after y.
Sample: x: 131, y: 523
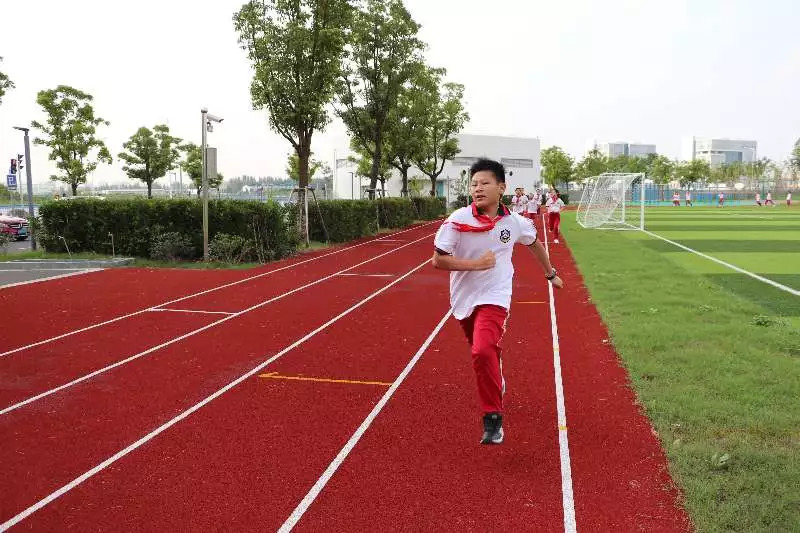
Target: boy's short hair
x: 492, y: 166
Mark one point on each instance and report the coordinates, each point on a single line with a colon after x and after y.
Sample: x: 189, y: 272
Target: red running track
x: 246, y: 459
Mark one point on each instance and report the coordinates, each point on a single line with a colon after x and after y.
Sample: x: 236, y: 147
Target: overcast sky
x: 562, y: 71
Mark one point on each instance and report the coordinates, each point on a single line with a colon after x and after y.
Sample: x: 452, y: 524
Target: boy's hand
x: 557, y: 283
x: 486, y: 261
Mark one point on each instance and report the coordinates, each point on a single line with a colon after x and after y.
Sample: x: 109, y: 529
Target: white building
x: 719, y: 151
x: 519, y: 155
x: 616, y: 149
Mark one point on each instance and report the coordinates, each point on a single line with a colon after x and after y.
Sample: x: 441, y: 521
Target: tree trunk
x: 404, y: 176
x: 74, y: 186
x: 433, y: 185
x: 150, y: 189
x: 376, y: 164
x: 303, y: 155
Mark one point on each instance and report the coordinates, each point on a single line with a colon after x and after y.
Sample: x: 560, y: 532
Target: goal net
x: 611, y: 201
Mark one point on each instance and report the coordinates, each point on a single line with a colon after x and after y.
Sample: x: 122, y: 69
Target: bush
x: 430, y: 207
x: 5, y: 239
x: 86, y: 223
x: 231, y: 248
x: 170, y: 246
x: 396, y: 212
x: 345, y: 219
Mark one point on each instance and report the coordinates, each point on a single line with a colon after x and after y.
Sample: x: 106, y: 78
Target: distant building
x: 616, y: 149
x: 519, y: 155
x: 719, y: 151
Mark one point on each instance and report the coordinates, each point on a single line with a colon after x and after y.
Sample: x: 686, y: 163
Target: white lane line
x: 567, y: 498
x: 69, y: 274
x: 191, y: 311
x: 370, y: 275
x: 768, y: 281
x: 160, y: 429
x: 194, y: 332
x: 122, y: 317
x: 312, y: 494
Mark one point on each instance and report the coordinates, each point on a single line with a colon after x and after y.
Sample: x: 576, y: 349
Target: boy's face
x: 485, y: 189
x: 518, y: 191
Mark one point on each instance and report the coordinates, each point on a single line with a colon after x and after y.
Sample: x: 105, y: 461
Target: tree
x: 296, y: 48
x: 557, y: 166
x: 70, y: 134
x: 193, y: 166
x: 794, y: 160
x: 593, y: 164
x: 293, y: 167
x: 445, y: 118
x: 660, y: 169
x: 383, y: 54
x: 151, y: 153
x: 693, y: 171
x: 364, y: 164
x: 5, y: 84
x: 403, y: 137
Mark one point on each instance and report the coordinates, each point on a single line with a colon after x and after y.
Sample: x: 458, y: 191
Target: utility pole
x: 207, y: 127
x: 30, y: 183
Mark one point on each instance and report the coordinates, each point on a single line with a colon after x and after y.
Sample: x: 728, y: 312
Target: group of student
x: 529, y: 205
x: 676, y: 199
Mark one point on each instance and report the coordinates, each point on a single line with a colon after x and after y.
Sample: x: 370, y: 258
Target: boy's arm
x: 541, y: 255
x: 444, y: 261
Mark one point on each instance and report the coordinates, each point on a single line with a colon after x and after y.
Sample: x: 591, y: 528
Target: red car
x: 16, y: 227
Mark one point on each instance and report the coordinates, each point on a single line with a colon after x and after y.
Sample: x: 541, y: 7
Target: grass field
x: 713, y: 354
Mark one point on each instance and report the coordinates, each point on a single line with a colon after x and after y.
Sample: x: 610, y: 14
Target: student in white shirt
x: 533, y: 207
x: 688, y: 199
x: 475, y: 244
x: 676, y: 199
x: 554, y: 206
x: 768, y: 200
x: 789, y: 199
x: 519, y: 201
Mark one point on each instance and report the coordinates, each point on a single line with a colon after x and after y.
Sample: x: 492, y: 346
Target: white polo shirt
x: 555, y: 206
x: 469, y: 289
x: 518, y: 203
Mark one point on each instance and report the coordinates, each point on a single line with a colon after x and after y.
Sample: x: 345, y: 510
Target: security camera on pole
x: 27, y: 162
x: 207, y: 127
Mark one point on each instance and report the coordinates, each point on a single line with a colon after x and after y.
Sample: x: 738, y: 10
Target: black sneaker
x: 492, y: 428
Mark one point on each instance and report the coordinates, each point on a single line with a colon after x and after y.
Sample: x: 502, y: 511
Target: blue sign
x: 11, y: 180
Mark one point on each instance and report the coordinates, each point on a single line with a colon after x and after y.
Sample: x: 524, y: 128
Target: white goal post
x: 608, y: 202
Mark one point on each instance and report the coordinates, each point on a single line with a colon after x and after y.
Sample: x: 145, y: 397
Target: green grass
x: 714, y: 355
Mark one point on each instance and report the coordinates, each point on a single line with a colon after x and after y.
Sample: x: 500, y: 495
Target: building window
x: 464, y: 161
x: 517, y: 163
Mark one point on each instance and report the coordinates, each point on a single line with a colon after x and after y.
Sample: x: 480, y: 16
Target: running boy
x: 519, y: 201
x: 789, y: 199
x: 769, y: 201
x: 758, y: 199
x: 688, y: 199
x: 554, y: 206
x: 476, y: 243
x: 676, y: 200
x: 721, y: 200
x: 533, y: 206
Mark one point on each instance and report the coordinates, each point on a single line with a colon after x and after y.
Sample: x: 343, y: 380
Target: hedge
x: 346, y: 220
x: 85, y: 224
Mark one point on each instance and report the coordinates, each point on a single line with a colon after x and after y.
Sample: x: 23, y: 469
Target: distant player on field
x: 532, y: 207
x: 688, y: 199
x: 758, y: 199
x: 769, y: 201
x: 721, y: 199
x: 789, y: 199
x: 676, y: 199
x: 475, y: 244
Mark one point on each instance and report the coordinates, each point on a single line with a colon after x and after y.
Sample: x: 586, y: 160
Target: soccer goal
x: 612, y: 201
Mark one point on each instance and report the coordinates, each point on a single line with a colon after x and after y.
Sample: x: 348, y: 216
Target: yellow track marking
x: 562, y: 428
x: 275, y: 375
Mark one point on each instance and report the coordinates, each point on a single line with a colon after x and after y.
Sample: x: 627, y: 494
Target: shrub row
x: 162, y: 228
x: 238, y: 230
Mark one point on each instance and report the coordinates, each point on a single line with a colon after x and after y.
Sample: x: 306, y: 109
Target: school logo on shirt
x: 505, y: 235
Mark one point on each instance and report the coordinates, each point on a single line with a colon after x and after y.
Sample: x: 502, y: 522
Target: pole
x: 641, y: 203
x: 28, y: 174
x: 305, y: 206
x: 203, y: 113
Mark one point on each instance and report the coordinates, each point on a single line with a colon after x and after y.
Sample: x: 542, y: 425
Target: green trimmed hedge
x: 351, y: 219
x: 137, y: 222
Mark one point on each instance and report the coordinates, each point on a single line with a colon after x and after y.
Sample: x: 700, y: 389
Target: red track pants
x: 484, y: 328
x: 554, y: 222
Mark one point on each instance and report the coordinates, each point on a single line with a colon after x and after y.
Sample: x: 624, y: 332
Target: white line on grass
x: 193, y: 332
x: 567, y: 498
x: 121, y: 317
x: 69, y: 274
x: 312, y: 494
x: 125, y: 451
x: 723, y: 263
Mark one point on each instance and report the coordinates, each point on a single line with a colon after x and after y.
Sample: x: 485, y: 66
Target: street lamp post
x: 207, y: 120
x: 30, y: 183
